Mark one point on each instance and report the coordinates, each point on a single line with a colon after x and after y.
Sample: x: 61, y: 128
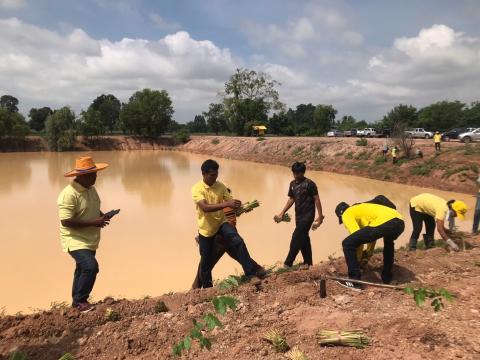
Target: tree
x: 109, y: 107
x: 12, y: 124
x: 60, y: 129
x: 91, y: 124
x: 279, y: 124
x: 471, y: 116
x: 302, y: 118
x: 198, y: 125
x: 215, y: 116
x: 441, y: 116
x: 9, y: 102
x: 148, y: 112
x: 38, y: 118
x: 347, y: 123
x: 323, y: 118
x: 405, y: 114
x: 249, y: 96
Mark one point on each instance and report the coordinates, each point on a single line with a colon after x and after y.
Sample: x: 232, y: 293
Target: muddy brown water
x: 149, y: 248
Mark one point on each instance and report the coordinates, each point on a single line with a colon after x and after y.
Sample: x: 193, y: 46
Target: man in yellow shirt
x: 366, y: 223
x: 80, y: 222
x: 437, y: 139
x: 211, y: 197
x: 433, y: 210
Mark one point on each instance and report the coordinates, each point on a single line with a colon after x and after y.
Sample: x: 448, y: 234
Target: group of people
x: 81, y: 220
x: 437, y: 139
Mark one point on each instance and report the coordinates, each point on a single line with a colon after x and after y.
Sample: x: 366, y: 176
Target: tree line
x: 248, y: 98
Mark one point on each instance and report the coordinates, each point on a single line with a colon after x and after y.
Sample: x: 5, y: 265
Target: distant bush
x: 362, y: 142
x: 215, y: 141
x: 423, y: 169
x: 380, y: 160
x: 60, y: 130
x: 181, y: 136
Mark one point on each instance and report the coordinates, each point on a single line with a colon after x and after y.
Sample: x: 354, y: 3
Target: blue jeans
x: 235, y: 244
x: 476, y: 215
x: 85, y: 274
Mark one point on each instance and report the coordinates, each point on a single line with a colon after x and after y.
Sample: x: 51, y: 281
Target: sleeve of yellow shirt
x: 226, y: 195
x: 66, y: 206
x: 197, y: 194
x: 350, y: 222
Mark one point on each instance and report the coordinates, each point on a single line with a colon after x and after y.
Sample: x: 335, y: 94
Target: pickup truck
x: 367, y: 132
x: 419, y: 133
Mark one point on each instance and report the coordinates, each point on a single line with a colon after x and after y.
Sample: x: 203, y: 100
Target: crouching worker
x: 433, y: 211
x: 211, y: 197
x: 220, y: 248
x: 367, y: 223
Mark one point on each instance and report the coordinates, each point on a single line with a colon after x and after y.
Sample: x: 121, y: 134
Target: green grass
x: 349, y: 155
x: 380, y: 160
x: 362, y: 142
x: 456, y: 170
x: 160, y: 307
x: 215, y: 141
x: 360, y: 165
x: 362, y: 156
x: 298, y: 150
x: 424, y: 169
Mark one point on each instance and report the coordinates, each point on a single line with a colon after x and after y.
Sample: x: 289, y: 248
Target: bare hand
x: 101, y: 222
x: 279, y: 217
x: 234, y: 204
x: 318, y: 222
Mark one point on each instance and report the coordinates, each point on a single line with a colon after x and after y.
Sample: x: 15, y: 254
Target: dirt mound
x: 290, y: 302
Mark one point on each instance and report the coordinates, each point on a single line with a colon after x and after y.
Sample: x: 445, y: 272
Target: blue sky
x: 364, y: 57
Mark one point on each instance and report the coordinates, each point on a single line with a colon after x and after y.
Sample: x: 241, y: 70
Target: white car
x: 470, y: 136
x: 335, y: 133
x: 367, y: 132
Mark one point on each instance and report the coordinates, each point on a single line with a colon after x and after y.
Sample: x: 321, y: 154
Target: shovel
x: 323, y: 284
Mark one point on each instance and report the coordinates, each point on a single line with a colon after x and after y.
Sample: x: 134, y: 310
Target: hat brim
x: 460, y: 216
x: 98, y: 167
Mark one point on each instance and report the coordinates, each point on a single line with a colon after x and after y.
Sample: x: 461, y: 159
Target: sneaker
x: 84, y: 307
x: 350, y: 285
x: 452, y: 245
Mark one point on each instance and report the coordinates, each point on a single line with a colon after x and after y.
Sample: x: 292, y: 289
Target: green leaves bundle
x: 286, y: 218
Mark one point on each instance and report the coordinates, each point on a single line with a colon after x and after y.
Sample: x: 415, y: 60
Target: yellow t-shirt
x: 437, y: 138
x: 394, y: 152
x: 367, y: 214
x: 431, y: 205
x: 209, y: 223
x: 77, y: 202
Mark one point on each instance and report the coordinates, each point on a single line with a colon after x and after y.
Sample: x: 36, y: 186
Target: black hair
x: 449, y: 203
x: 209, y: 165
x: 299, y: 167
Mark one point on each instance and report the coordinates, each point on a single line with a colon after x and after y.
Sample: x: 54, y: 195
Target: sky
x: 362, y: 56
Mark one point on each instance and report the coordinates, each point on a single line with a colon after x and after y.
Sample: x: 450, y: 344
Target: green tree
x: 323, y: 118
x: 248, y: 97
x: 60, y: 129
x: 347, y: 122
x: 91, y: 123
x: 441, y: 116
x: 9, y: 102
x: 471, y: 116
x: 401, y: 114
x: 109, y: 107
x: 38, y: 118
x: 302, y: 118
x: 198, y: 125
x: 215, y: 116
x: 148, y: 113
x: 279, y: 124
x: 12, y: 124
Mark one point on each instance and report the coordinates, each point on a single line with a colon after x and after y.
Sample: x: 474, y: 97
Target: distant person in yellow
x: 433, y: 210
x: 437, y: 139
x: 80, y: 222
x: 366, y: 223
x: 211, y: 197
x: 394, y: 154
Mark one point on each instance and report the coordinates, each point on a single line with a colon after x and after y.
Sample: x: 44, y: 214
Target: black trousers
x: 390, y: 231
x: 86, y: 271
x: 418, y: 219
x: 437, y: 146
x: 300, y: 243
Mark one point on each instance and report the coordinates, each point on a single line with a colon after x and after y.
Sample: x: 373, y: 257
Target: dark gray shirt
x: 303, y: 193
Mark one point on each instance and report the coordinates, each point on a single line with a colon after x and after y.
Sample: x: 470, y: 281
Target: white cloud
x: 12, y: 4
x: 163, y: 23
x: 43, y: 67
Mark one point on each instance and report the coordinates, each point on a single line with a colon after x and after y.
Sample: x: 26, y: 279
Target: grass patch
x: 260, y: 138
x: 349, y: 155
x: 360, y: 165
x: 453, y: 171
x: 380, y: 160
x: 215, y: 141
x: 424, y: 169
x: 112, y: 315
x: 298, y: 150
x: 160, y: 307
x: 362, y: 156
x: 362, y: 142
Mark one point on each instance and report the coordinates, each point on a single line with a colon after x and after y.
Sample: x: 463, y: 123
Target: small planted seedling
x: 437, y: 296
x: 295, y: 354
x: 67, y: 356
x: 232, y: 281
x: 223, y: 303
x: 279, y: 342
x: 112, y: 315
x: 160, y: 307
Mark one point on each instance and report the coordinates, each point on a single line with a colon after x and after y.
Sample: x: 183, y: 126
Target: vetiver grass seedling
x: 112, y: 315
x: 160, y: 307
x: 353, y: 338
x: 278, y: 341
x: 295, y: 354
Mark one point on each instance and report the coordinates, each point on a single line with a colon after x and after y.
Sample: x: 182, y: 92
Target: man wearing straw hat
x: 80, y: 222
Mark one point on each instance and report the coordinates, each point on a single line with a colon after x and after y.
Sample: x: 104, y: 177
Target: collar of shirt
x: 78, y: 187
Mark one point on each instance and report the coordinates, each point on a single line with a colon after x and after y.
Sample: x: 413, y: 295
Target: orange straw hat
x: 85, y: 165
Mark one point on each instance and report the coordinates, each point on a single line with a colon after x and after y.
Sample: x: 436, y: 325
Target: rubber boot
x: 412, y: 245
x: 429, y: 241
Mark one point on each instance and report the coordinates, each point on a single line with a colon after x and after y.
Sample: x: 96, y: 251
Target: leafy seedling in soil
x: 112, y: 315
x: 437, y: 296
x: 279, y: 342
x: 160, y: 307
x: 232, y: 281
x: 222, y: 303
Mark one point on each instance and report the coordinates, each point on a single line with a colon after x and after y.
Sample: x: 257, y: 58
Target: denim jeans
x: 476, y: 215
x: 300, y: 243
x: 390, y: 231
x: 85, y: 274
x: 235, y: 245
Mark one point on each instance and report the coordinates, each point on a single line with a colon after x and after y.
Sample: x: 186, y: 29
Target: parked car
x: 470, y: 136
x: 383, y: 133
x: 367, y: 132
x: 453, y: 134
x: 352, y: 132
x: 335, y: 133
x: 419, y: 133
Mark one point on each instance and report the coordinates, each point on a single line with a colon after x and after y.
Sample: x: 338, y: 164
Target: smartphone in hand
x: 112, y: 213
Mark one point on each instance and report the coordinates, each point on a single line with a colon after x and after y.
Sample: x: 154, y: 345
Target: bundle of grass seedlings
x: 247, y: 207
x: 295, y: 354
x: 286, y: 218
x: 278, y: 341
x: 354, y: 338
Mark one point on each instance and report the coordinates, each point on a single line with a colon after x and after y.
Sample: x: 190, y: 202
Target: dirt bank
x: 455, y: 169
x: 290, y: 302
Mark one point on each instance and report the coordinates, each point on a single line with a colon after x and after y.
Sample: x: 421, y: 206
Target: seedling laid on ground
x: 112, y: 315
x: 437, y: 296
x: 353, y: 338
x: 278, y: 341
